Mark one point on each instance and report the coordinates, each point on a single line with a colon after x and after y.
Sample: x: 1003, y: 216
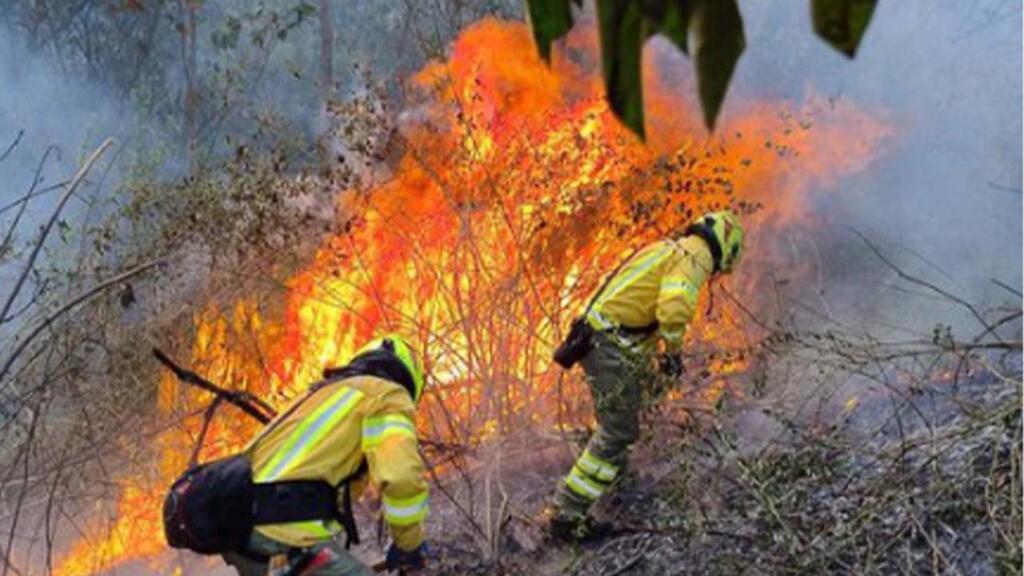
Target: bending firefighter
x: 280, y: 505
x: 652, y: 296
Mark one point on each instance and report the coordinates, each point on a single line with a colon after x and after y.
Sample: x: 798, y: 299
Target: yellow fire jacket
x: 660, y: 283
x: 325, y: 436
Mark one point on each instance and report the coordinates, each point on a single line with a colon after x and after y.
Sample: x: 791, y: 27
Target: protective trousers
x: 617, y: 376
x: 330, y: 559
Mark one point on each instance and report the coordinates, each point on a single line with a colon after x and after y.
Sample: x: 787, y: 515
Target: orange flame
x: 516, y: 191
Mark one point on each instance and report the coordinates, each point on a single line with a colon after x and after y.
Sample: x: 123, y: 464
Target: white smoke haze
x: 49, y: 123
x: 49, y: 109
x: 943, y: 200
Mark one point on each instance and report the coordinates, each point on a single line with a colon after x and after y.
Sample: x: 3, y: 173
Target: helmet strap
x: 703, y: 230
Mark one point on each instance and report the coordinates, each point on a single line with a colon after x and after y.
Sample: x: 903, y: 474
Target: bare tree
x: 190, y: 99
x: 326, y: 51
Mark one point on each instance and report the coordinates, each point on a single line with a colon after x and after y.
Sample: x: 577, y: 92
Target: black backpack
x: 209, y: 509
x: 214, y: 507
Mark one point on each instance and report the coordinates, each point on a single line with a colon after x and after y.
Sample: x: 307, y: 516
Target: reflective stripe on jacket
x: 660, y: 283
x: 327, y: 434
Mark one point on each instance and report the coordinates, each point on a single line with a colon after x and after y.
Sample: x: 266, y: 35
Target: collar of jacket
x: 380, y: 363
x: 705, y: 233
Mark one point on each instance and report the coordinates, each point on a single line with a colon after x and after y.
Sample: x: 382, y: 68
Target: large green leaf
x: 549, y: 21
x: 623, y: 30
x: 716, y: 42
x: 842, y: 23
x: 670, y: 18
x: 710, y: 30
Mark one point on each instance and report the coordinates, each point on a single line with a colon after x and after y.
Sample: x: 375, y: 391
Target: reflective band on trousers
x: 591, y: 476
x: 309, y: 432
x: 581, y: 484
x: 596, y: 467
x: 377, y: 428
x: 405, y: 511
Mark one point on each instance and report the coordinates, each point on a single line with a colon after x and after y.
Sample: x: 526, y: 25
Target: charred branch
x: 251, y: 405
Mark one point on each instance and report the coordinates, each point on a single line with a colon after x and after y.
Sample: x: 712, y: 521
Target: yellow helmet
x: 727, y: 230
x: 398, y: 347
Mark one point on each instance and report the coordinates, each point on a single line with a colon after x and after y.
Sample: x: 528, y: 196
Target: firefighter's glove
x: 405, y: 560
x: 670, y: 364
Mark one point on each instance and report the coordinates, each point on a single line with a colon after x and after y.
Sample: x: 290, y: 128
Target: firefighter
x: 651, y: 297
x: 356, y: 425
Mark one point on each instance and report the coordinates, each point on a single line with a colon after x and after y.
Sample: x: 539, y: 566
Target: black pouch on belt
x: 577, y: 344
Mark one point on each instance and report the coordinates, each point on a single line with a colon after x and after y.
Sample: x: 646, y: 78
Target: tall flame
x: 517, y: 189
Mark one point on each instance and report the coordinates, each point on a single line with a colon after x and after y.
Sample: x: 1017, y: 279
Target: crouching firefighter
x: 652, y: 296
x: 278, y: 506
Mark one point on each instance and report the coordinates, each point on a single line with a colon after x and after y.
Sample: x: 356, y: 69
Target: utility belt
x: 580, y: 339
x: 631, y: 333
x: 213, y: 508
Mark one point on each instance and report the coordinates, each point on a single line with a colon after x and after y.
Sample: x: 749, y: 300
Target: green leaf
x: 549, y: 21
x: 716, y: 40
x: 670, y: 18
x: 842, y: 23
x: 305, y: 9
x: 227, y: 37
x: 623, y: 30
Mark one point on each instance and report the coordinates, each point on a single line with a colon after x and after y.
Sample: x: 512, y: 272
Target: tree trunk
x: 326, y: 51
x: 326, y: 82
x: 191, y: 96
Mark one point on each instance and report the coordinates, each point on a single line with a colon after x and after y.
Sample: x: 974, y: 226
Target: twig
x: 32, y: 194
x: 482, y: 537
x: 634, y: 560
x: 1006, y: 287
x: 88, y: 294
x: 13, y: 145
x: 915, y: 280
x: 27, y: 455
x: 22, y: 203
x: 49, y: 226
x: 207, y: 418
x: 1004, y: 188
x: 48, y: 516
x: 242, y: 400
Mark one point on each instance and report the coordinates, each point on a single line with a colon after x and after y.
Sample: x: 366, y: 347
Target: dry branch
x: 53, y: 316
x: 251, y: 405
x: 37, y: 248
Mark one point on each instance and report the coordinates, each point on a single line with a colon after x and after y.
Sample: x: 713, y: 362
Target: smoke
x: 49, y: 123
x: 944, y: 198
x: 52, y: 110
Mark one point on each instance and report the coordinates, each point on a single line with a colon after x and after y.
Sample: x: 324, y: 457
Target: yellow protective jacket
x: 660, y: 283
x: 326, y: 434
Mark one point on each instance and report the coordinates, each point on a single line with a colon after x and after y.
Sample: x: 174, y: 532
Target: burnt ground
x: 899, y: 481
